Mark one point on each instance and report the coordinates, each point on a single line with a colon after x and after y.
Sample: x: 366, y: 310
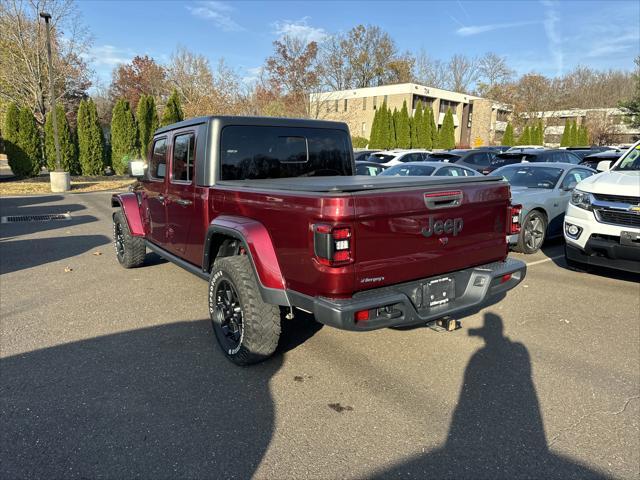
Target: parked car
x: 270, y: 213
x: 369, y: 168
x: 495, y: 148
x: 544, y: 191
x: 519, y: 148
x: 475, y: 159
x: 394, y: 157
x: 534, y: 155
x: 362, y: 155
x: 437, y: 169
x: 602, y: 222
x: 594, y: 159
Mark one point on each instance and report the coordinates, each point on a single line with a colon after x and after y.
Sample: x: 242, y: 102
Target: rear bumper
x: 406, y: 304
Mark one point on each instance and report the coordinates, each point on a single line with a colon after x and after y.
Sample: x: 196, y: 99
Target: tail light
x: 332, y: 245
x: 514, y: 219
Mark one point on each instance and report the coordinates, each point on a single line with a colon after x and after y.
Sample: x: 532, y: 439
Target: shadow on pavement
x: 159, y: 402
x: 18, y: 255
x: 497, y: 429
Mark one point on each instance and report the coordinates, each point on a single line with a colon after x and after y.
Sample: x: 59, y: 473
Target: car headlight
x: 581, y: 199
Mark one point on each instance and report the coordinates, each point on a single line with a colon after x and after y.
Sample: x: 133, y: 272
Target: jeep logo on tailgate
x: 438, y: 227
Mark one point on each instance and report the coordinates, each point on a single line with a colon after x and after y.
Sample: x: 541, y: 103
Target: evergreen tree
x: 583, y: 136
x: 403, y: 132
x: 124, y: 137
x: 391, y: 130
x: 566, y: 135
x: 394, y: 128
x: 172, y: 110
x: 68, y: 151
x: 435, y: 136
x: 525, y: 137
x: 427, y: 119
x: 375, y: 129
x: 573, y: 136
x: 27, y: 155
x: 147, y: 118
x: 447, y: 132
x: 10, y: 133
x: 507, y: 138
x: 91, y: 147
x: 417, y: 128
x: 384, y: 131
x: 540, y: 132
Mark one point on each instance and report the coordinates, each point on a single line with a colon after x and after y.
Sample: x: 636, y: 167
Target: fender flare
x: 256, y: 240
x: 128, y: 202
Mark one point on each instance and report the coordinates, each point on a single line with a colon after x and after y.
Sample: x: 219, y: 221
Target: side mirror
x: 570, y: 186
x: 604, y: 165
x: 136, y: 168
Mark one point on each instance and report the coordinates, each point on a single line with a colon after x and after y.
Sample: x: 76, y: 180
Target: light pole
x: 60, y: 180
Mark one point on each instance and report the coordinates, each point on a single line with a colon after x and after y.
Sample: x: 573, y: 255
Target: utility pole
x: 60, y: 180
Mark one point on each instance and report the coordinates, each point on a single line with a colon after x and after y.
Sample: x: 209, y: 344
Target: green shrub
x: 68, y: 151
x: 147, y: 118
x: 507, y: 138
x: 565, y: 141
x: 447, y: 139
x: 172, y: 110
x: 402, y: 130
x: 91, y: 146
x: 124, y: 137
x: 10, y: 133
x: 359, y: 142
x: 26, y: 150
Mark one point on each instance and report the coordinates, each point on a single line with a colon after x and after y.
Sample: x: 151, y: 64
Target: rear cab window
x: 158, y: 160
x: 183, y: 158
x: 255, y: 152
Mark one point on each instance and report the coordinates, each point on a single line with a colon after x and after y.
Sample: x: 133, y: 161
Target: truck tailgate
x: 423, y: 232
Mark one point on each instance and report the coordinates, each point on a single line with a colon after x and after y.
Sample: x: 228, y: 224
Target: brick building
x: 477, y: 121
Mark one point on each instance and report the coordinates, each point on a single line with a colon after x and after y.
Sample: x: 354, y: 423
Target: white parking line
x: 545, y: 260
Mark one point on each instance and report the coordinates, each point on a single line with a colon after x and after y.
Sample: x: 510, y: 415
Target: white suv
x: 388, y: 158
x: 602, y: 222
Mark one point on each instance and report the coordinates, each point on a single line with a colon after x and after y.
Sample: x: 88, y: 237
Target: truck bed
x: 357, y: 183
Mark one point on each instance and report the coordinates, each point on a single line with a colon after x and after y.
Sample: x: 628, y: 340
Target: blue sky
x: 548, y: 37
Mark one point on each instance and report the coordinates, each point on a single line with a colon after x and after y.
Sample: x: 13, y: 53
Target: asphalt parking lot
x: 113, y: 373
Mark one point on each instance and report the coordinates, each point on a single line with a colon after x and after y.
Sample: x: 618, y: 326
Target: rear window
x: 531, y: 177
x: 380, y: 158
x: 252, y: 153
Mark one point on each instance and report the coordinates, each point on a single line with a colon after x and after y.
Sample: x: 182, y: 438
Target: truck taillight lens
x: 332, y: 245
x: 514, y: 219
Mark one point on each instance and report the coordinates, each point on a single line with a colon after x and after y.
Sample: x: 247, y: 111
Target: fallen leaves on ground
x: 39, y: 185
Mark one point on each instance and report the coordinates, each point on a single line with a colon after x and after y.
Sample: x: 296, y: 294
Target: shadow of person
x: 497, y: 429
x: 158, y: 402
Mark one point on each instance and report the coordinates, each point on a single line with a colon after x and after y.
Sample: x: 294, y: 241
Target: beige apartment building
x: 478, y: 121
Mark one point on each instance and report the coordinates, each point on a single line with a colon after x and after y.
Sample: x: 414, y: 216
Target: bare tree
x: 24, y: 73
x: 464, y: 73
x: 431, y: 72
x: 360, y: 58
x: 492, y: 71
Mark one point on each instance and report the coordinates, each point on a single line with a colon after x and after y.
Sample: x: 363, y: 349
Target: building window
x: 503, y: 116
x: 364, y: 103
x: 446, y: 104
x: 336, y: 105
x: 375, y: 102
x: 386, y: 99
x: 364, y: 128
x: 345, y: 104
x: 426, y: 101
x: 328, y: 106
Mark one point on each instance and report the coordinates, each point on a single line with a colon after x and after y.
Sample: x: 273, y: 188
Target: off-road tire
x: 260, y: 330
x: 134, y: 247
x: 522, y: 246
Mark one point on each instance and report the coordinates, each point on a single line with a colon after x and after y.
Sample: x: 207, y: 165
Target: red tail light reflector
x: 362, y: 315
x: 505, y: 278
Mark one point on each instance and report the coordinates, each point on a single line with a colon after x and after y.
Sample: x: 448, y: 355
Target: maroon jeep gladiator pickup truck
x: 270, y: 213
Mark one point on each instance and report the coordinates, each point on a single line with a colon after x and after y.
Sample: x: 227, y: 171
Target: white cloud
x: 299, y: 29
x: 614, y: 44
x: 253, y: 74
x: 108, y: 56
x: 218, y: 13
x: 477, y: 29
x: 554, y: 40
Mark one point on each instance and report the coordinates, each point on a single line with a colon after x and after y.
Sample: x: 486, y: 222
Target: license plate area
x: 439, y: 291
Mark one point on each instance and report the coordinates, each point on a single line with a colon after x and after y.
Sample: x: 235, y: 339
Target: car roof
x: 606, y: 154
x: 563, y: 165
x: 370, y: 164
x: 432, y: 164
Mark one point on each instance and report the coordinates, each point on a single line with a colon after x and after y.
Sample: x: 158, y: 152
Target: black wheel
x: 246, y: 327
x: 532, y: 233
x: 130, y: 250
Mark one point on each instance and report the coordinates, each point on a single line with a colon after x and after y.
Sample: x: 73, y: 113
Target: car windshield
x: 631, y: 161
x: 531, y: 177
x: 408, y: 170
x: 380, y: 158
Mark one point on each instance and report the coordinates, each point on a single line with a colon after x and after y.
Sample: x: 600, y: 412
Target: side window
x: 571, y: 158
x: 158, y: 163
x: 183, y: 152
x: 575, y: 176
x: 481, y: 159
x: 450, y: 172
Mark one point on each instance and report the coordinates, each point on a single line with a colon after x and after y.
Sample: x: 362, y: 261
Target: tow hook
x: 445, y: 324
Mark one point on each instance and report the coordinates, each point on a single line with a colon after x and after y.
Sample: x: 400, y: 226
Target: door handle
x: 160, y: 198
x: 184, y: 203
